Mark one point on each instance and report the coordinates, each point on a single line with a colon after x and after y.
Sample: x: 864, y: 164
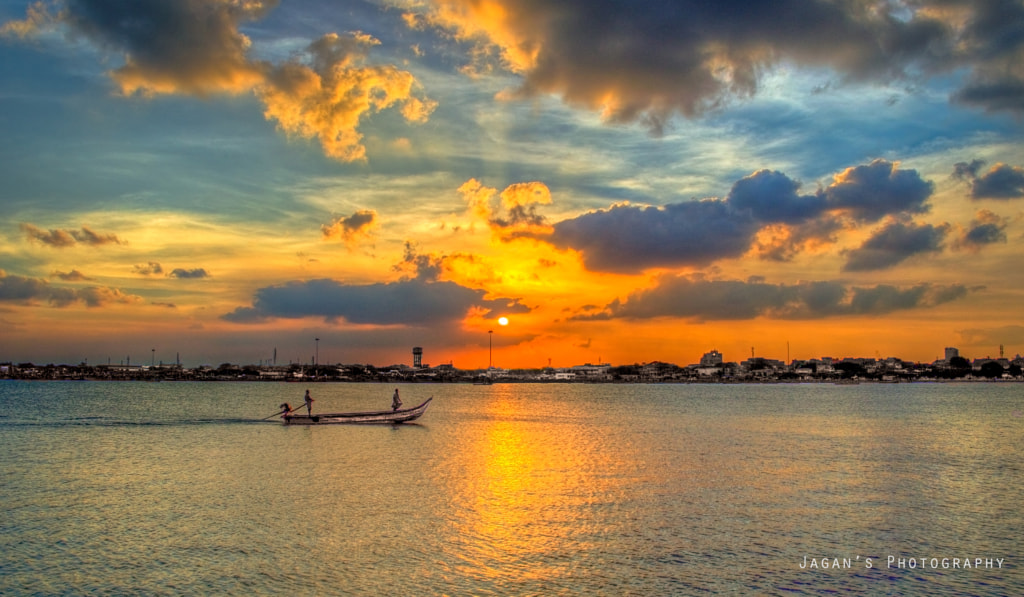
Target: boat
x: 380, y: 416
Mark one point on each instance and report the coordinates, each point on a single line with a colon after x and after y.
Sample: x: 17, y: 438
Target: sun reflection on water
x: 531, y: 486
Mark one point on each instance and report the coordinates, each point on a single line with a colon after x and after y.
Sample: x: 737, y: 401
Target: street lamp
x: 316, y: 359
x: 490, y: 349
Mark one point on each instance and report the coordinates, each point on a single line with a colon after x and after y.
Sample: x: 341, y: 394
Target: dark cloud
x: 626, y: 238
x: 408, y: 302
x: 72, y: 276
x: 647, y: 61
x: 1002, y: 181
x: 715, y: 300
x: 426, y: 268
x: 188, y: 274
x: 32, y: 291
x: 185, y: 46
x: 985, y: 229
x: 894, y: 243
x: 871, y: 192
x: 991, y: 42
x: 771, y: 196
x: 68, y: 238
x: 351, y: 228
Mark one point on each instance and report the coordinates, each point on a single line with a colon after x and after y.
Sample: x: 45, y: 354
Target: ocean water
x: 111, y: 488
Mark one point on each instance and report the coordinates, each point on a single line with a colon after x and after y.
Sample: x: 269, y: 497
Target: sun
x: 503, y: 321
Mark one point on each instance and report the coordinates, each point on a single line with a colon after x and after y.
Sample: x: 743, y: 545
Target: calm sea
x: 520, y: 489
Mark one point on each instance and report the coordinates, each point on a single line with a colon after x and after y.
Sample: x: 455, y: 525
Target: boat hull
x: 363, y: 418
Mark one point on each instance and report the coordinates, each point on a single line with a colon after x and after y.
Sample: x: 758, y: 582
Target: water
x: 519, y: 489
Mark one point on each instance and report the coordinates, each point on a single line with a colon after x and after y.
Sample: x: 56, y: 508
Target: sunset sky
x: 624, y: 181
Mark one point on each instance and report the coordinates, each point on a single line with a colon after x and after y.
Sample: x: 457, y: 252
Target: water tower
x: 417, y: 357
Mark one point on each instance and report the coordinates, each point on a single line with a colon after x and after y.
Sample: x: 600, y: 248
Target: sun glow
x: 503, y: 321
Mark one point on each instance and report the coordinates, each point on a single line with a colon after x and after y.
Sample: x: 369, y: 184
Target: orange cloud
x: 328, y: 99
x: 489, y: 23
x: 512, y: 213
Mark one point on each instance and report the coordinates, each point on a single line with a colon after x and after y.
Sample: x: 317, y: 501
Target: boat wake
x: 114, y: 422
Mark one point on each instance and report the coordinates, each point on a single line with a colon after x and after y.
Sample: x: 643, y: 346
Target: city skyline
x: 624, y: 183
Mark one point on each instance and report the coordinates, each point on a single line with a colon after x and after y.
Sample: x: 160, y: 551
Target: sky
x: 212, y: 181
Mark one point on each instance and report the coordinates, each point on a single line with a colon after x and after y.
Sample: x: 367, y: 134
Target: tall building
x: 417, y: 357
x: 710, y: 359
x: 951, y: 353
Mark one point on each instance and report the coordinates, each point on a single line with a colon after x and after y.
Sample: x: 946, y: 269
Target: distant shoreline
x: 837, y: 382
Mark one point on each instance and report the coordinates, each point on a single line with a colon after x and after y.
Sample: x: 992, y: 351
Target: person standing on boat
x: 396, y: 402
x: 309, y: 404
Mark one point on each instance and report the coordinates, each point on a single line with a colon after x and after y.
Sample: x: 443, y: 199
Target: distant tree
x: 848, y: 370
x: 624, y: 370
x: 992, y: 369
x: 959, y: 363
x: 1014, y: 370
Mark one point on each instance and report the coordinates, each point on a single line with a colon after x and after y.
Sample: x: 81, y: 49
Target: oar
x: 274, y: 415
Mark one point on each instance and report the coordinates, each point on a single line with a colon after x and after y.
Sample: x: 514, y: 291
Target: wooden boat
x: 380, y: 416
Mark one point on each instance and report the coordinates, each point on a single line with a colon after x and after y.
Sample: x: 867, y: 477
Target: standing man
x: 396, y: 402
x: 309, y: 404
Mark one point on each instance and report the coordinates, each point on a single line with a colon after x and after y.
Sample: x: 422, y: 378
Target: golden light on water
x: 519, y: 484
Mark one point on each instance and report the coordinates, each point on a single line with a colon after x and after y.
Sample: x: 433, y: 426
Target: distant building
x: 711, y: 359
x: 951, y: 353
x: 417, y: 357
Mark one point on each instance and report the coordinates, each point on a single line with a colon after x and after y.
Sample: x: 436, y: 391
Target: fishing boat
x: 380, y: 416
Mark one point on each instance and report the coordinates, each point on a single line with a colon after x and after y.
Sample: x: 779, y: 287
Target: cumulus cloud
x: 327, y: 98
x: 771, y: 196
x: 764, y: 211
x: 647, y: 61
x: 626, y: 238
x: 195, y: 47
x: 34, y: 291
x: 1001, y: 181
x: 351, y: 229
x: 985, y: 229
x: 872, y: 191
x: 188, y: 274
x: 414, y: 302
x: 62, y: 238
x: 701, y: 299
x: 894, y: 243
